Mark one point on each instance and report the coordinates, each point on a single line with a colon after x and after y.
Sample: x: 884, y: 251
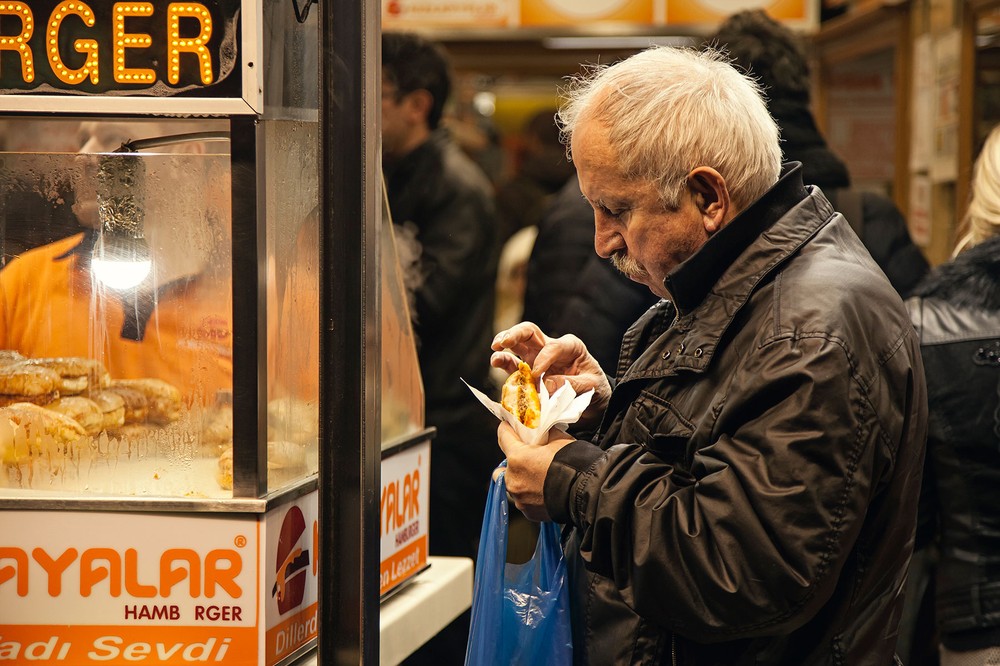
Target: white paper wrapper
x: 559, y: 410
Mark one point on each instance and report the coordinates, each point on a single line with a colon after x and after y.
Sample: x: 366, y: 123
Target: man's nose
x: 606, y: 239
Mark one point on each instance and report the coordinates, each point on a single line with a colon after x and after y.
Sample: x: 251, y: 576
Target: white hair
x: 668, y: 110
x: 982, y: 218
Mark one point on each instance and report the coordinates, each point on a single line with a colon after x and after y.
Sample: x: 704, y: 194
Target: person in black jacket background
x: 441, y: 200
x: 772, y: 54
x: 956, y: 311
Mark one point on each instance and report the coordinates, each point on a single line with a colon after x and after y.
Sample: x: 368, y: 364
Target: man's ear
x: 711, y: 195
x: 419, y: 103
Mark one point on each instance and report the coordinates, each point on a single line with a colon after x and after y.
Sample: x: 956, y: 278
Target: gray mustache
x: 627, y: 265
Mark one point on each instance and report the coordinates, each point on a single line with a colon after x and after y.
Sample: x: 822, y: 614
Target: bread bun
x: 8, y: 356
x: 40, y: 423
x: 135, y: 406
x: 38, y: 444
x: 76, y: 374
x: 519, y: 396
x: 84, y: 411
x: 112, y: 408
x: 23, y: 382
x: 163, y: 400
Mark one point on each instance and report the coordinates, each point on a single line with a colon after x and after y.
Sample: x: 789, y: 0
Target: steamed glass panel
x: 291, y: 193
x: 115, y: 309
x: 402, y: 387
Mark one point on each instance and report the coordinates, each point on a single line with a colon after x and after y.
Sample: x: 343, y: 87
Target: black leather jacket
x: 752, y: 496
x: 957, y: 314
x: 447, y: 200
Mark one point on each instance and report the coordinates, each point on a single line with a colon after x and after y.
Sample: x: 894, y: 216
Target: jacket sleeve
x: 750, y: 540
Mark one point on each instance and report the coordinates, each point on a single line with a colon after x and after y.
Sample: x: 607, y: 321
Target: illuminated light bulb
x: 120, y: 275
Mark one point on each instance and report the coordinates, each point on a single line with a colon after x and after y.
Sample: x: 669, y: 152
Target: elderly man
x: 749, y: 494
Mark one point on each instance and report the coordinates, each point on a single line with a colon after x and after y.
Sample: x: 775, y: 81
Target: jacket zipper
x: 673, y: 649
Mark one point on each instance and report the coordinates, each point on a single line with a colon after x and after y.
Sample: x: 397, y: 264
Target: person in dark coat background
x: 442, y: 200
x: 772, y: 54
x: 541, y: 169
x: 956, y: 311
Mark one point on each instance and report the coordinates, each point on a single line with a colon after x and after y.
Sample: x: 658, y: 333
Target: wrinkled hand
x: 561, y: 360
x: 527, y: 466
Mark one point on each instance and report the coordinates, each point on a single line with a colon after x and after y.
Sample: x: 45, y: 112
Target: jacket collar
x: 713, y: 285
x: 971, y: 280
x: 689, y: 283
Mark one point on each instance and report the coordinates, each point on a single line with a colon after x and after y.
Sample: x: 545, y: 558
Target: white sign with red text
x: 125, y: 588
x: 404, y: 507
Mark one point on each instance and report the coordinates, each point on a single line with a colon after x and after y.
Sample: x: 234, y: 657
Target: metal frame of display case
x: 350, y: 342
x: 351, y: 451
x: 350, y: 454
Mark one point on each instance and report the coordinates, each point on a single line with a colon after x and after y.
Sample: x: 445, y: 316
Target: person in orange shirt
x: 176, y: 324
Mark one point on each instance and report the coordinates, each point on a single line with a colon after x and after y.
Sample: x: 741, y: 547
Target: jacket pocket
x: 659, y: 427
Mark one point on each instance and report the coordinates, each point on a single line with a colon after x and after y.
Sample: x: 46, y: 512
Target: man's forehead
x: 118, y: 131
x: 590, y: 147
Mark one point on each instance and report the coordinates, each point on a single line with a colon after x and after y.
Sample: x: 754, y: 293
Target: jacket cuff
x: 569, y: 462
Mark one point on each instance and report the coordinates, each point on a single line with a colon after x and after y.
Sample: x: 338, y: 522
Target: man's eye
x: 611, y: 213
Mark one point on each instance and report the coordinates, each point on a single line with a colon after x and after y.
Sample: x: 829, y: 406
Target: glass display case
x: 161, y: 338
x: 116, y: 311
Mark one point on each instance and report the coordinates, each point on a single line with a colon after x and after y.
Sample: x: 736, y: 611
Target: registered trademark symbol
x: 240, y: 541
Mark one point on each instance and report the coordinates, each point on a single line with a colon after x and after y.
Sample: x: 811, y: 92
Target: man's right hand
x: 561, y: 360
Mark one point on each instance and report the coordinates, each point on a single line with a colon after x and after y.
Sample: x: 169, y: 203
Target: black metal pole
x: 349, y: 457
x: 249, y: 347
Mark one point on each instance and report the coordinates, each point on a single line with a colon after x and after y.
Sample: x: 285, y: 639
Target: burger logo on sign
x: 291, y: 563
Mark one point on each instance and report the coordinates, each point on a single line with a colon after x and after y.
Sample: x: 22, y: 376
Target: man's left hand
x: 526, y: 469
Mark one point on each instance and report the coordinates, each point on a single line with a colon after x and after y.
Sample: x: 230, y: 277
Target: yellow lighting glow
x: 85, y: 46
x: 196, y: 45
x: 19, y: 42
x: 124, y: 40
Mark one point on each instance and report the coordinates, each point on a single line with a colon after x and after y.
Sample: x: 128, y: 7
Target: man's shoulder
x: 837, y: 289
x: 31, y: 260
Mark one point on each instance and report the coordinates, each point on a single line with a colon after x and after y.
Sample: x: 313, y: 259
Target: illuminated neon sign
x: 103, y: 47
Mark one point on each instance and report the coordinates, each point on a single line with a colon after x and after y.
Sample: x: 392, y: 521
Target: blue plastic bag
x: 520, y: 612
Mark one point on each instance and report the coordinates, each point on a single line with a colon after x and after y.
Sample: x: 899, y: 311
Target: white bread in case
x: 163, y: 400
x: 83, y: 410
x: 76, y: 374
x: 23, y: 382
x: 35, y: 440
x: 112, y: 408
